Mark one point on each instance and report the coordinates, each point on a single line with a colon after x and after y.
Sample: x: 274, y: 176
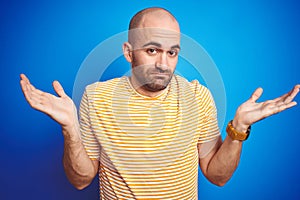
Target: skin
x: 153, y: 52
x: 153, y: 58
x: 153, y: 61
x: 79, y: 168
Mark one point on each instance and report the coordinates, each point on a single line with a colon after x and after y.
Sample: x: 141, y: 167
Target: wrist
x: 237, y: 125
x: 71, y: 131
x: 237, y: 134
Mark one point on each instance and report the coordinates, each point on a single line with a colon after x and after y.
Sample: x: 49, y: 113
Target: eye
x: 152, y: 51
x: 173, y: 53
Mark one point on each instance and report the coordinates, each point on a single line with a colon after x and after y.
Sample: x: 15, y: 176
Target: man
x: 146, y: 134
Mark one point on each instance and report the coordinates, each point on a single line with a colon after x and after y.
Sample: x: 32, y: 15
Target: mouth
x: 160, y: 75
x: 163, y: 74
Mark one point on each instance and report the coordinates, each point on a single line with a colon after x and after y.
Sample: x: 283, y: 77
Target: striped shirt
x: 147, y: 146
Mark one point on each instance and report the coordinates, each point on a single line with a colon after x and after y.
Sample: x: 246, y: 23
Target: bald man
x: 146, y: 134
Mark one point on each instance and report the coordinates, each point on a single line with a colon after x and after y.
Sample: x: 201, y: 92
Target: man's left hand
x: 251, y: 111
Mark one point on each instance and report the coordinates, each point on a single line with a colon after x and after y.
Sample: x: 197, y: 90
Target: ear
x: 127, y: 51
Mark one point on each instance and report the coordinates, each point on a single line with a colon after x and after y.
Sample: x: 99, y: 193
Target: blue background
x: 253, y: 43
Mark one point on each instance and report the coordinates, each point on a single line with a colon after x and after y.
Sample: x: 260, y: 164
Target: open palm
x: 251, y: 111
x: 61, y: 108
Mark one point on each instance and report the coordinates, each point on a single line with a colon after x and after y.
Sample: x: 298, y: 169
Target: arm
x: 79, y: 168
x: 219, y: 165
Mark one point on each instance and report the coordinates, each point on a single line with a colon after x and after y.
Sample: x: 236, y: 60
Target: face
x: 154, y: 57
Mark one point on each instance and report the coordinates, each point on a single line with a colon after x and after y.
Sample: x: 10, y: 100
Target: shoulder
x: 199, y: 88
x: 201, y: 93
x: 104, y: 85
x: 103, y: 90
x: 194, y: 85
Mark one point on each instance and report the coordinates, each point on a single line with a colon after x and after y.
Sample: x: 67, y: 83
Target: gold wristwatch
x: 236, y: 135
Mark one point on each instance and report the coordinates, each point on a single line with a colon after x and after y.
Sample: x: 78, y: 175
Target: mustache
x: 152, y: 69
x: 159, y: 71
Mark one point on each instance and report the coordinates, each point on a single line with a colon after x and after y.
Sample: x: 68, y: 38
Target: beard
x: 151, y: 78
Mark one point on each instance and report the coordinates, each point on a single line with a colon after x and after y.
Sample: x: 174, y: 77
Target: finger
x: 292, y: 94
x: 288, y: 97
x: 39, y: 100
x: 30, y: 92
x: 24, y: 77
x: 291, y: 104
x: 25, y: 89
x: 24, y: 82
x: 256, y: 94
x: 283, y: 97
x: 58, y: 89
x: 32, y: 97
x: 31, y: 87
x: 283, y: 107
x: 23, y: 85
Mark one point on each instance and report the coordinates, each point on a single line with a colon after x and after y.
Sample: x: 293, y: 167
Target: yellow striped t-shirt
x: 147, y: 146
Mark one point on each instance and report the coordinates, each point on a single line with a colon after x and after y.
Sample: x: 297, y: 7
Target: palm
x: 251, y: 111
x: 61, y: 108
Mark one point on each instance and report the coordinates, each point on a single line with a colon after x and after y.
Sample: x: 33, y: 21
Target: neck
x: 142, y: 90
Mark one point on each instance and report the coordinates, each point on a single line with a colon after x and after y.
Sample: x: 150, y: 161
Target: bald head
x: 154, y: 17
x: 156, y: 22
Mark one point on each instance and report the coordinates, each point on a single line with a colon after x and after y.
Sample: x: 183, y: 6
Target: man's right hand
x: 79, y: 168
x: 61, y: 108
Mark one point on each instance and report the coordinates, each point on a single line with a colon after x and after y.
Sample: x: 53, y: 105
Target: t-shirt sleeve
x: 208, y: 122
x: 88, y: 137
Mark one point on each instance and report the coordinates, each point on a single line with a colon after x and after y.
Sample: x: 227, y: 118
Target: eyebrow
x: 159, y: 45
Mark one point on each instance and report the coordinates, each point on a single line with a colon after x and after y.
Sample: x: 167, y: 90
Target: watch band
x: 236, y: 135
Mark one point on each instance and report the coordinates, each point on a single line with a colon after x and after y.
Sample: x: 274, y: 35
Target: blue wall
x: 253, y: 43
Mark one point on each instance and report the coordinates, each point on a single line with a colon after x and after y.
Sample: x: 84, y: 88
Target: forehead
x: 165, y: 37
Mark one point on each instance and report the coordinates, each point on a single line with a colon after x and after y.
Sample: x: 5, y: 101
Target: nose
x: 162, y: 61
